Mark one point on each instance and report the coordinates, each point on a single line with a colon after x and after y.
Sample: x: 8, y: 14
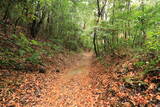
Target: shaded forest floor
x: 25, y: 88
x: 70, y: 86
x: 121, y: 84
x: 82, y: 82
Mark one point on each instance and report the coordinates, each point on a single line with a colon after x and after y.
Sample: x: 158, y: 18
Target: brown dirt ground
x: 85, y: 82
x: 72, y: 87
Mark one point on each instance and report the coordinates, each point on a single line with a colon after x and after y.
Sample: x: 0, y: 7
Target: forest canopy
x: 107, y: 53
x: 107, y: 26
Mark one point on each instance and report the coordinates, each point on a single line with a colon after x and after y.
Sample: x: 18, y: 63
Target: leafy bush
x: 35, y: 59
x: 72, y: 45
x: 23, y: 42
x: 140, y: 64
x: 153, y: 44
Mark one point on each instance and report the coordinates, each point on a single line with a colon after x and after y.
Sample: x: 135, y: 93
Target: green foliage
x: 128, y: 25
x: 7, y: 62
x: 35, y: 58
x: 57, y: 48
x: 140, y: 64
x: 34, y: 42
x: 51, y: 19
x: 153, y: 44
x: 26, y: 51
x: 71, y: 24
x: 73, y: 45
x: 86, y: 41
x: 23, y: 42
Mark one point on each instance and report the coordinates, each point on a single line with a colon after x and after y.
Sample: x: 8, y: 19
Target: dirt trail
x: 72, y: 88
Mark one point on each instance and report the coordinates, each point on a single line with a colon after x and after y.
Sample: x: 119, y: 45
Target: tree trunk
x: 6, y: 12
x: 100, y: 15
x: 143, y: 24
x: 94, y: 42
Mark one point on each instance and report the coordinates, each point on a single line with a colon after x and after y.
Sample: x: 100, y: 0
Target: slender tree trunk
x: 113, y: 12
x: 129, y: 10
x: 100, y: 11
x: 143, y: 24
x: 112, y: 22
x: 5, y: 18
x: 94, y: 42
x: 16, y: 23
x: 6, y: 12
x: 125, y: 32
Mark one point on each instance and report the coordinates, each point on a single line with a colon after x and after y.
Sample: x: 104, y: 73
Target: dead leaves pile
x: 18, y: 88
x: 111, y: 80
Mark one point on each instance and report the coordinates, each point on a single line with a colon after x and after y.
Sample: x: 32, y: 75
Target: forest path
x: 72, y: 88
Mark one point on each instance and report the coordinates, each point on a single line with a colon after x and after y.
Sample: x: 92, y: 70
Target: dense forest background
x: 32, y: 32
x: 29, y: 25
x: 110, y: 25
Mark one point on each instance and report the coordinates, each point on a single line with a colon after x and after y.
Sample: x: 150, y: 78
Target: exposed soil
x: 71, y: 87
x: 85, y: 82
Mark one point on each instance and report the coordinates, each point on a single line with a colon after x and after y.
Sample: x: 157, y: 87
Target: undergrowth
x: 17, y: 51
